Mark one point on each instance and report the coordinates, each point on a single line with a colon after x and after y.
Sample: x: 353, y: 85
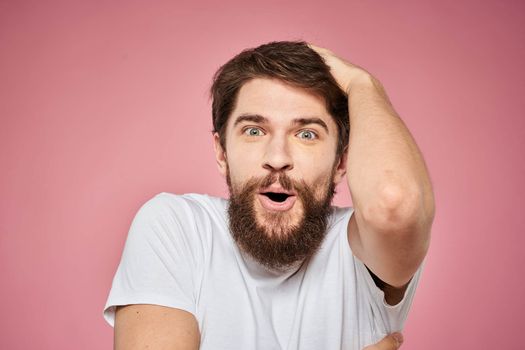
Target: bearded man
x: 277, y: 266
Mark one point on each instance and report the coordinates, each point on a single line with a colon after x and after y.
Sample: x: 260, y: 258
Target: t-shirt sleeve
x: 159, y: 264
x: 387, y: 318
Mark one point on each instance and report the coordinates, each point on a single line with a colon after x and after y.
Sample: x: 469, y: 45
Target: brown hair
x: 293, y: 62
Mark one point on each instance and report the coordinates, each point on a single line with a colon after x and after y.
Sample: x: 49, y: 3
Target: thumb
x: 390, y: 342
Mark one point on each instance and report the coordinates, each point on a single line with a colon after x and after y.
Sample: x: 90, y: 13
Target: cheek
x: 315, y: 167
x: 321, y: 180
x: 240, y: 167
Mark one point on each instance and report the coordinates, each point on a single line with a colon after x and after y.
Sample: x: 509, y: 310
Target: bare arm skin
x: 155, y: 327
x: 388, y: 180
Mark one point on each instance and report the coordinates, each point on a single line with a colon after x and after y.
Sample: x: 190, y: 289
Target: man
x: 276, y: 266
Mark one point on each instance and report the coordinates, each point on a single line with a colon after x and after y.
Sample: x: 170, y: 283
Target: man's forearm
x: 387, y: 175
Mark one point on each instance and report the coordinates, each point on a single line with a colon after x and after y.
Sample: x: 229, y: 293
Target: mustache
x: 284, y: 180
x: 255, y: 184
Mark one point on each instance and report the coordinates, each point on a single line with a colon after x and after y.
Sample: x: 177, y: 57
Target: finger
x: 318, y: 49
x: 312, y: 46
x: 390, y: 342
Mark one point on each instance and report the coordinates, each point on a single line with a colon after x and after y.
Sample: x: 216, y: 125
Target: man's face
x: 281, y: 167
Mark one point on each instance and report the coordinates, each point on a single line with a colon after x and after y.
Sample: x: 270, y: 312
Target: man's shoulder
x: 166, y: 203
x: 191, y: 215
x: 189, y: 198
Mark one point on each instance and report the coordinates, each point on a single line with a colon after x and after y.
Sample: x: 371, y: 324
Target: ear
x: 340, y: 170
x: 220, y: 155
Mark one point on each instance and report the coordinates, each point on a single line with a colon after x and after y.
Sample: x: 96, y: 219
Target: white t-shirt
x: 179, y: 253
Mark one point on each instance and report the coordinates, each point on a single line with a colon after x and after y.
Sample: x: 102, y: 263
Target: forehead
x: 279, y: 101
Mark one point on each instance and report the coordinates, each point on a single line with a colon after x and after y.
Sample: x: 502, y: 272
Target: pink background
x: 104, y: 104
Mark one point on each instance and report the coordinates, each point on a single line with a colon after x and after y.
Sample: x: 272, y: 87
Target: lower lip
x: 268, y: 204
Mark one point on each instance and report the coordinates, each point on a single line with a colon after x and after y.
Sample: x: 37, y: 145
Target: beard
x: 276, y: 243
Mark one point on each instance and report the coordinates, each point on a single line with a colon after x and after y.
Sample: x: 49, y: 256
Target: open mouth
x: 277, y: 201
x: 276, y: 196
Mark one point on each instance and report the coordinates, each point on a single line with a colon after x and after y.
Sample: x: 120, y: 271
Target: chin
x: 276, y: 223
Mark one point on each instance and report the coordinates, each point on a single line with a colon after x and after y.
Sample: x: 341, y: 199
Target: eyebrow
x: 256, y: 118
x: 306, y: 121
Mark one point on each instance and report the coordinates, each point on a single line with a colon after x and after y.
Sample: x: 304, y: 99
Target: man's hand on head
x: 343, y: 71
x: 390, y: 342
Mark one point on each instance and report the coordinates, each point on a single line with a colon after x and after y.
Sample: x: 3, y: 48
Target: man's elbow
x: 401, y: 211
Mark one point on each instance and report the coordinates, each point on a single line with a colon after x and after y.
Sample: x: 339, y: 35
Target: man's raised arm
x: 389, y: 183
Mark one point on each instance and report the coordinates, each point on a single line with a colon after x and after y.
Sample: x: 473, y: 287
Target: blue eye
x: 307, y: 135
x: 253, y: 132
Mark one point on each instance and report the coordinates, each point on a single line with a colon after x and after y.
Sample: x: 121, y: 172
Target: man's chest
x: 313, y: 308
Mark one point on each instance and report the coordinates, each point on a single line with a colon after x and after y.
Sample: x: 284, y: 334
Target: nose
x: 277, y: 156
